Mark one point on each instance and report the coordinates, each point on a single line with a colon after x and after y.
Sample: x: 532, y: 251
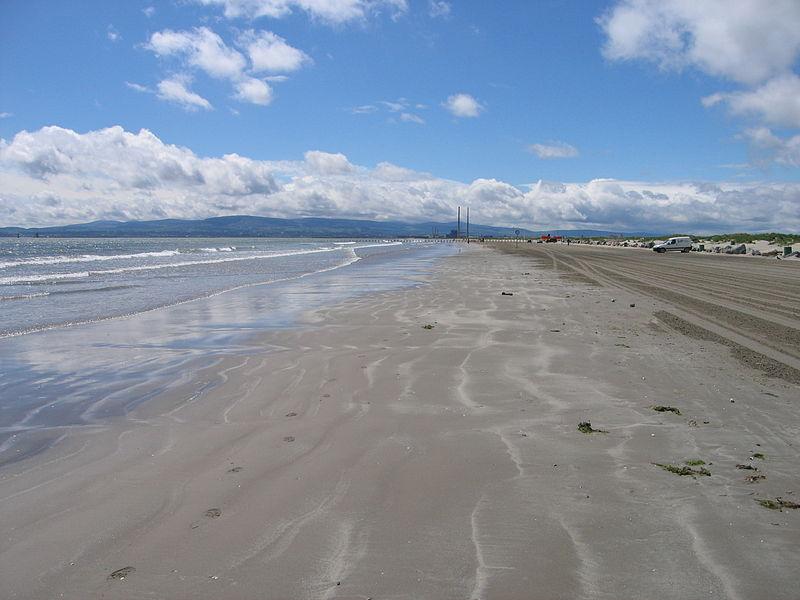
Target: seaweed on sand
x: 672, y: 409
x: 777, y: 504
x: 586, y: 427
x: 684, y: 470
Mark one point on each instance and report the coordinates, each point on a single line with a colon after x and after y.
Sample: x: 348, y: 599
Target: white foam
x: 353, y: 259
x: 187, y: 263
x: 44, y: 277
x: 55, y: 260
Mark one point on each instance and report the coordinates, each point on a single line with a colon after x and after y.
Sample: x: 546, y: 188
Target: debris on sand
x: 212, y: 513
x: 754, y: 478
x: 122, y: 573
x: 684, y: 470
x: 747, y: 467
x: 506, y: 293
x: 672, y: 409
x: 586, y: 427
x: 758, y: 455
x: 695, y: 462
x: 633, y: 305
x: 428, y: 326
x: 777, y: 504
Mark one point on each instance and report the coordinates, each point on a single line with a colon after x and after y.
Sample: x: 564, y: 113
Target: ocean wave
x: 42, y: 278
x: 25, y: 296
x: 349, y: 261
x: 23, y: 279
x: 378, y: 245
x: 55, y: 260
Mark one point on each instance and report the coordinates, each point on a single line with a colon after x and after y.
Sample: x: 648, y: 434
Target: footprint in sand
x: 213, y: 513
x: 291, y: 414
x: 235, y: 469
x: 288, y: 438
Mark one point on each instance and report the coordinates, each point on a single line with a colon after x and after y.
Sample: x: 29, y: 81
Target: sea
x: 92, y: 328
x: 47, y: 283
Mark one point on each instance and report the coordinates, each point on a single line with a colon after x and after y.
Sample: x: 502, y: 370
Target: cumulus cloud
x: 768, y: 147
x: 56, y: 176
x: 329, y: 11
x: 203, y: 49
x: 748, y: 41
x: 255, y: 91
x: 777, y: 102
x: 326, y: 163
x: 175, y: 89
x: 753, y: 43
x: 463, y: 105
x: 270, y: 53
x: 553, y: 150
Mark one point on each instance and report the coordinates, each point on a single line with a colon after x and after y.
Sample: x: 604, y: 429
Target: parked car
x: 682, y: 243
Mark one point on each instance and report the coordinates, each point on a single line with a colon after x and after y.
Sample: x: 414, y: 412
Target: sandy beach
x: 424, y: 443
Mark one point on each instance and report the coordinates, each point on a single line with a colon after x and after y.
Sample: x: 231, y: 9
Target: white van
x: 683, y: 243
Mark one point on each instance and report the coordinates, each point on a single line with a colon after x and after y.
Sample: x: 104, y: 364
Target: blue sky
x: 473, y: 100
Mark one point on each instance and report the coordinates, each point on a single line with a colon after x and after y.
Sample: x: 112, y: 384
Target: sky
x: 626, y: 115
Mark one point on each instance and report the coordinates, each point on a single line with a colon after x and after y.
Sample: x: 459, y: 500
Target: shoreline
x: 366, y: 455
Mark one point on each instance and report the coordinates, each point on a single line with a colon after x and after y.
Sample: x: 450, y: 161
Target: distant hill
x: 248, y: 226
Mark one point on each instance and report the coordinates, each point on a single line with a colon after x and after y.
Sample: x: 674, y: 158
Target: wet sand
x: 367, y: 455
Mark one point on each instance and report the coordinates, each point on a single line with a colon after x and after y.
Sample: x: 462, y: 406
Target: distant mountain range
x: 248, y: 226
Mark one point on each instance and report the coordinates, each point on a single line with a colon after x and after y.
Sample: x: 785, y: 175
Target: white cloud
x: 175, y: 90
x: 205, y: 50
x: 402, y: 108
x: 254, y: 91
x: 56, y: 176
x: 748, y: 41
x: 777, y: 102
x: 329, y: 11
x: 149, y: 11
x: 553, y: 150
x: 202, y: 49
x: 401, y: 104
x: 112, y: 34
x: 326, y: 163
x: 411, y: 118
x: 270, y: 53
x: 364, y: 109
x: 751, y: 42
x: 768, y: 147
x: 439, y: 8
x: 463, y: 105
x: 138, y: 87
x: 6, y: 115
